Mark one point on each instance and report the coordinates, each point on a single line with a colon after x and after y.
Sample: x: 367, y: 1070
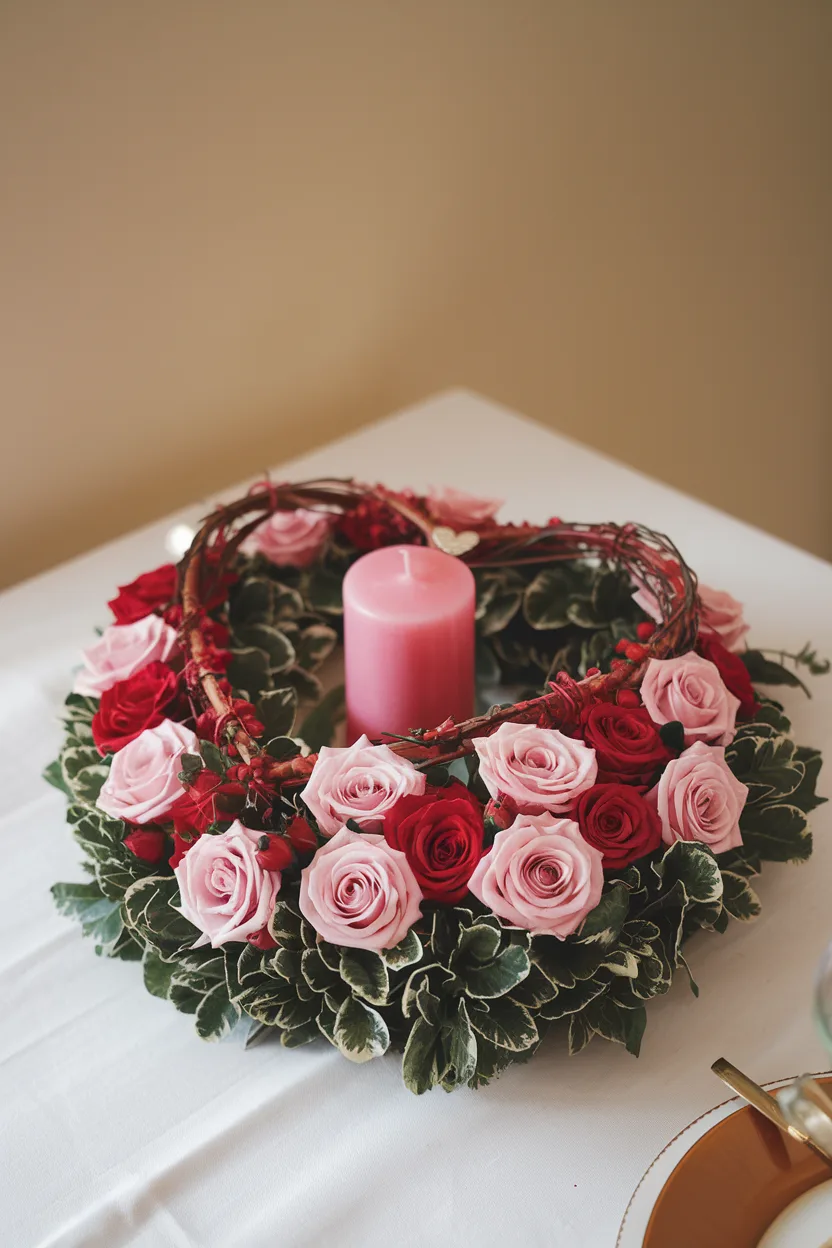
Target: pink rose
x: 359, y: 892
x: 292, y: 539
x: 461, y: 510
x: 540, y: 875
x: 223, y: 889
x: 361, y: 782
x: 722, y: 615
x: 538, y: 768
x: 143, y: 784
x: 646, y: 599
x: 698, y: 798
x: 121, y: 650
x: 690, y: 689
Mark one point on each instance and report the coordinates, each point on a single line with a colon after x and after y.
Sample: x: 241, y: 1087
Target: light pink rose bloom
x: 121, y: 650
x: 646, y: 599
x: 292, y: 539
x: 540, y: 769
x: 540, y: 875
x: 223, y: 889
x: 361, y: 782
x: 461, y: 510
x: 690, y: 689
x: 359, y: 892
x: 144, y: 783
x: 699, y: 798
x: 722, y: 615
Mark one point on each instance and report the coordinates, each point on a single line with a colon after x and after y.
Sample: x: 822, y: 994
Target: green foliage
x: 102, y: 840
x: 534, y: 621
x: 99, y: 917
x: 318, y: 728
x: 276, y: 711
x: 765, y: 670
x: 462, y: 996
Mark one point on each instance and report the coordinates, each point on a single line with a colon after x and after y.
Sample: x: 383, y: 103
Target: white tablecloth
x: 119, y: 1127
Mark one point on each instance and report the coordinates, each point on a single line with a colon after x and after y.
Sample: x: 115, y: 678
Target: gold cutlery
x: 764, y: 1103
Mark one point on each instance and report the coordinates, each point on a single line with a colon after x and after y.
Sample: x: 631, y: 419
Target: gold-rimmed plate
x: 728, y: 1180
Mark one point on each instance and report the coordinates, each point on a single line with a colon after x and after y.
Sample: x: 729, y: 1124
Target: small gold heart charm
x: 455, y: 543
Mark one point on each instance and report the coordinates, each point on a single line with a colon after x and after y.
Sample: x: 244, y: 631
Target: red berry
x: 634, y: 651
x: 645, y: 630
x: 593, y: 671
x: 148, y: 844
x: 628, y: 697
x: 301, y: 835
x: 277, y: 857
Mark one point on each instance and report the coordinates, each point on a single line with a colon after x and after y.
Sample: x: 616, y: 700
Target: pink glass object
x: 408, y: 640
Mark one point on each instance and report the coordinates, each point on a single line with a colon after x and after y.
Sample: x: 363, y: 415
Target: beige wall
x: 229, y: 230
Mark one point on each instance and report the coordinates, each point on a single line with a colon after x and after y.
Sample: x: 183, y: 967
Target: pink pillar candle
x: 408, y: 641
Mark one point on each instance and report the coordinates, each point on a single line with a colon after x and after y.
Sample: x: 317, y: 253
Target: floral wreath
x: 461, y: 891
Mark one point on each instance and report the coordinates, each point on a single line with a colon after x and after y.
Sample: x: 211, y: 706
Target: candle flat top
x: 409, y: 584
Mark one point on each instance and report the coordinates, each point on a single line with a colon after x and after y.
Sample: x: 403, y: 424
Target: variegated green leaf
x: 366, y: 974
x: 603, y: 925
x: 504, y: 1022
x: 216, y: 1015
x: 460, y: 1046
x: 420, y: 1062
x: 494, y: 978
x: 738, y: 897
x: 406, y: 953
x: 360, y: 1032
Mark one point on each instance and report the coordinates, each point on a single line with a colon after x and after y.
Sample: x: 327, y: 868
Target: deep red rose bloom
x: 626, y: 742
x: 619, y: 821
x: 208, y: 799
x: 146, y: 843
x: 441, y: 832
x: 149, y: 592
x: 142, y: 701
x: 733, y: 672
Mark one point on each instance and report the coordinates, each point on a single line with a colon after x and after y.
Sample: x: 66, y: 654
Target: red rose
x: 206, y: 800
x: 441, y: 832
x: 146, y: 843
x: 627, y: 745
x: 147, y: 593
x: 616, y: 819
x: 141, y: 701
x: 733, y: 671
